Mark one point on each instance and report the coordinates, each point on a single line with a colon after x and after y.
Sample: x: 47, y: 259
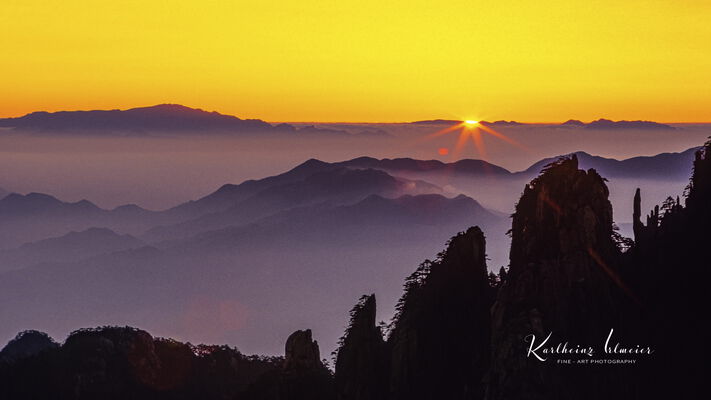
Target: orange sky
x: 535, y: 61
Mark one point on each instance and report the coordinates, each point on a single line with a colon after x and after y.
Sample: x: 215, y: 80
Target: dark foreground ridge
x: 128, y: 363
x: 458, y: 333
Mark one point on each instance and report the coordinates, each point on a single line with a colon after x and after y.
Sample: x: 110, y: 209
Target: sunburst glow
x: 473, y: 129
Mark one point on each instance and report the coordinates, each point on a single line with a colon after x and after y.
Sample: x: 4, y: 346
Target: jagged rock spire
x: 361, y: 364
x: 440, y: 339
x: 302, y: 352
x: 438, y: 346
x: 637, y: 216
x: 562, y: 279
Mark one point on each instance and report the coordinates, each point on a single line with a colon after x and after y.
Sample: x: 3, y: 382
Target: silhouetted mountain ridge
x: 161, y: 118
x: 16, y: 205
x: 375, y: 218
x: 322, y: 183
x: 230, y: 194
x: 641, y: 125
x: 37, y: 216
x: 661, y: 166
x: 73, y: 246
x: 599, y: 124
x: 25, y: 345
x: 465, y: 166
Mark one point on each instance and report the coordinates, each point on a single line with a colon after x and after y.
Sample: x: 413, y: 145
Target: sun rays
x: 474, y: 130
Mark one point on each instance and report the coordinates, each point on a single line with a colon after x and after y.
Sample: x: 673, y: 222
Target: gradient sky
x: 534, y: 61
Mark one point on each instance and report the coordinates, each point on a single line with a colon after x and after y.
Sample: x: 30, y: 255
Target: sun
x: 475, y: 130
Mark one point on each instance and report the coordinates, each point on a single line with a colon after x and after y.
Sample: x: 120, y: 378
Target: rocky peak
x: 120, y: 351
x: 637, y: 226
x: 362, y: 324
x: 302, y: 352
x: 26, y: 344
x: 562, y: 279
x: 303, y: 375
x: 563, y: 211
x: 700, y: 184
x: 361, y: 364
x: 444, y: 311
x: 438, y: 346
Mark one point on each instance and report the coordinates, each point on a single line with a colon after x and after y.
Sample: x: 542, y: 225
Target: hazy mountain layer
x: 332, y: 186
x: 219, y: 286
x: 36, y: 216
x: 73, y: 246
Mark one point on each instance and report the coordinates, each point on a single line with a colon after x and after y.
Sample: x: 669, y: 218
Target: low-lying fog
x: 158, y: 173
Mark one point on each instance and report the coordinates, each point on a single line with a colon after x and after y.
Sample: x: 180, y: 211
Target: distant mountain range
x: 162, y: 118
x: 657, y: 176
x: 327, y: 184
x: 466, y: 166
x: 661, y: 166
x: 600, y: 124
x: 3, y: 193
x: 321, y: 254
x: 643, y: 125
x: 38, y: 204
x: 315, y: 182
x: 375, y: 219
x: 176, y: 119
x: 72, y: 247
x: 35, y: 216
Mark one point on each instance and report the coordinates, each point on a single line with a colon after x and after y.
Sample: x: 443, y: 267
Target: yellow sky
x: 545, y: 60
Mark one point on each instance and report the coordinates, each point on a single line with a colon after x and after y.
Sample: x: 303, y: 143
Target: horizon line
x: 400, y: 122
